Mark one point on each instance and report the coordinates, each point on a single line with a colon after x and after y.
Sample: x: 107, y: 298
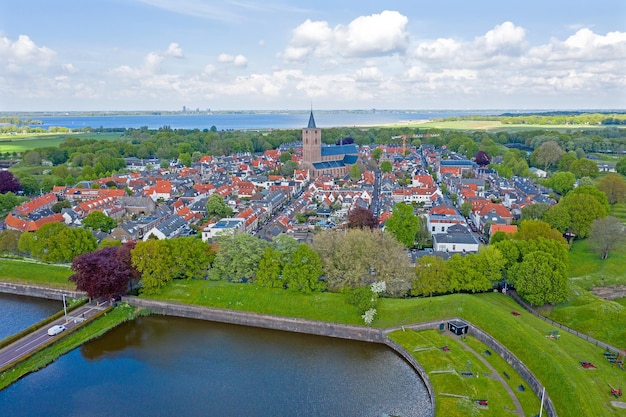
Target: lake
x: 165, y: 366
x: 245, y: 121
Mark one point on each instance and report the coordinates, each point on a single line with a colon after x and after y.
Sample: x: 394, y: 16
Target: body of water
x: 18, y: 312
x: 244, y: 121
x: 166, y: 366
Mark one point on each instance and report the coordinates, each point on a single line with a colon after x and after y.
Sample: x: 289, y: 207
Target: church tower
x: 311, y: 142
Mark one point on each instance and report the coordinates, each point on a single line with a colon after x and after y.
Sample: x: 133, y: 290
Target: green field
x: 488, y: 125
x: 36, y: 273
x: 21, y: 143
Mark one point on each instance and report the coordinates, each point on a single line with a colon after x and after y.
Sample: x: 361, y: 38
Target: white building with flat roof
x: 230, y: 225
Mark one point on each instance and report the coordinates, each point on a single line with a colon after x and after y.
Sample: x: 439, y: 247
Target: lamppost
x: 65, y: 308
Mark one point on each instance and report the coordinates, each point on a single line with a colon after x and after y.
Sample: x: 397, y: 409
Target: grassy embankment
x: 48, y: 354
x: 445, y: 368
x: 23, y: 271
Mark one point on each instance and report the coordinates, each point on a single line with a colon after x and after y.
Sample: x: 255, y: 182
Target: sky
x: 77, y: 55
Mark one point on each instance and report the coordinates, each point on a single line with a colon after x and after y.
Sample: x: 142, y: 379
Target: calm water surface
x: 18, y: 312
x: 165, y: 366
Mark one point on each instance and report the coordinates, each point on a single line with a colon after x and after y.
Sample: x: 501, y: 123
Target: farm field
x: 21, y: 143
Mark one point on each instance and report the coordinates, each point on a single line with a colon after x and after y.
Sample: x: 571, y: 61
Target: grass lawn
x: 36, y: 273
x: 619, y: 211
x: 426, y: 346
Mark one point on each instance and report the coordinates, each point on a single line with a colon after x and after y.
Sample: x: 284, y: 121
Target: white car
x: 55, y: 330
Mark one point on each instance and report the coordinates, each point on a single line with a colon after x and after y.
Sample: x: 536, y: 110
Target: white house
x: 227, y: 225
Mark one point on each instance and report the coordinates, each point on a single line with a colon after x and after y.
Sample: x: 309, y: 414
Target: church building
x: 319, y: 159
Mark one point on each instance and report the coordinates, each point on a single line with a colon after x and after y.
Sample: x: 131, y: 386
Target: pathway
x: 494, y: 375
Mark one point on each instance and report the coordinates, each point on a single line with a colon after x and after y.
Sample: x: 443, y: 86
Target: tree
x: 566, y: 161
x: 191, y: 258
x: 584, y: 168
x: 304, y: 271
x: 535, y: 211
x: 558, y: 217
x: 489, y: 264
x: 284, y: 157
x: 386, y: 167
x: 363, y: 298
x: 216, y: 207
x: 106, y: 273
x: 431, y: 274
x: 288, y: 168
x: 97, y: 220
x: 561, y: 182
x: 270, y: 268
x: 466, y: 209
x: 403, y: 224
x: 606, y: 234
x: 533, y: 229
x: 8, y: 183
x: 355, y: 172
x: 30, y: 185
x: 9, y: 240
x: 377, y: 153
x: 153, y: 259
x: 56, y: 242
x: 540, y: 279
x: 614, y: 186
x: 9, y: 201
x: 361, y: 218
x: 481, y: 158
x: 238, y: 257
x: 620, y: 166
x: 547, y: 154
x: 360, y: 257
x: 60, y: 205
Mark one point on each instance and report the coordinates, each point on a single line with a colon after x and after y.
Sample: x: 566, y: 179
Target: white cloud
x: 375, y: 35
x: 23, y: 51
x: 174, y: 50
x: 505, y: 38
x: 237, y: 60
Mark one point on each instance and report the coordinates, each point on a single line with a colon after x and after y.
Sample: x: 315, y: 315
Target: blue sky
x: 246, y: 54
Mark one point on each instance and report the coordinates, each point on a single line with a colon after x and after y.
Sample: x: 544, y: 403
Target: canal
x: 163, y: 366
x: 18, y: 312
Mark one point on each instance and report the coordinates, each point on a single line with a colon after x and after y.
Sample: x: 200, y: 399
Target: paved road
x: 32, y: 341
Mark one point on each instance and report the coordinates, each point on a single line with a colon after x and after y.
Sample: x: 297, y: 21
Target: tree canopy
x: 217, y: 207
x: 606, y: 234
x: 97, y: 220
x: 9, y: 183
x: 403, y: 224
x: 361, y: 218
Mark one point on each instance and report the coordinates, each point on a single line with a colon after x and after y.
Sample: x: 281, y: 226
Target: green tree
x: 217, y: 207
x: 466, y: 209
x: 547, y: 154
x: 304, y: 271
x: 403, y: 224
x: 561, y: 182
x: 614, y: 186
x: 606, y: 234
x: 9, y: 201
x: 534, y: 211
x: 566, y: 160
x: 191, y: 257
x: 238, y: 257
x: 355, y: 172
x: 185, y: 159
x: 533, y: 229
x: 431, y: 276
x: 270, y: 268
x: 363, y: 298
x: 286, y: 246
x: 620, y: 166
x: 377, y: 153
x: 153, y: 259
x: 386, y: 167
x: 284, y: 157
x: 60, y: 205
x: 9, y: 240
x: 489, y: 264
x: 30, y: 185
x: 584, y: 168
x: 540, y: 279
x: 288, y: 168
x: 558, y: 217
x: 97, y: 220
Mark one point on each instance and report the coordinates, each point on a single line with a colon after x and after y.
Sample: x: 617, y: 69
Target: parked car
x: 55, y: 330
